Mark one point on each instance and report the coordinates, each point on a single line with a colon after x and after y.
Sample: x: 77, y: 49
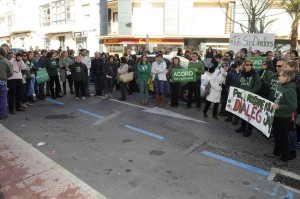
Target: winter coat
x: 6, y: 69
x: 232, y: 79
x: 122, y: 69
x: 64, y: 66
x: 286, y: 98
x: 264, y: 91
x: 250, y: 81
x: 18, y: 66
x: 172, y: 67
x: 97, y: 67
x: 82, y: 74
x: 273, y: 85
x: 110, y: 69
x: 159, y: 70
x: 216, y: 81
x: 52, y: 67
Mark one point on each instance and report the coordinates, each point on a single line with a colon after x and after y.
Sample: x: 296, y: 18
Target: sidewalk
x: 26, y: 173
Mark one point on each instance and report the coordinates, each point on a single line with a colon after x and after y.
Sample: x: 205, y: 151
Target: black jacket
x: 97, y: 67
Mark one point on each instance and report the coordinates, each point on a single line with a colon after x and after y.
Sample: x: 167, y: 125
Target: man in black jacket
x: 97, y: 71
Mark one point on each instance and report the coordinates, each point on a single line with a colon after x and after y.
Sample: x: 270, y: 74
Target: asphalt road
x: 126, y: 151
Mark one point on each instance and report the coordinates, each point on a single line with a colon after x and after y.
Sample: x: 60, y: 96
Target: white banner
x: 252, y: 108
x: 252, y: 41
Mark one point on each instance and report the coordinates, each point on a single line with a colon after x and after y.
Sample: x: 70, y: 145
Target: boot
x: 162, y: 101
x: 157, y: 100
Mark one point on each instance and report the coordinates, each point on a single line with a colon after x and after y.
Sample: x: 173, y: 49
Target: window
x: 86, y: 11
x: 45, y: 18
x: 60, y: 12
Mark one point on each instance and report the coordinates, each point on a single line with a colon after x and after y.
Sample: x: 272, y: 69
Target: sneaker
x: 280, y: 163
x: 77, y: 98
x: 83, y: 98
x: 106, y: 96
x: 29, y: 104
x: 271, y: 155
x: 110, y: 96
x: 24, y: 105
x: 122, y: 99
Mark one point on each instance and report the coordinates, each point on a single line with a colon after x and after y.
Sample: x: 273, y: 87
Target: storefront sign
x: 257, y: 62
x: 252, y: 108
x: 111, y: 41
x: 252, y: 41
x: 183, y: 75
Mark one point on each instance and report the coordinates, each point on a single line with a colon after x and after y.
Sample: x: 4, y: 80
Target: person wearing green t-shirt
x: 194, y: 87
x: 144, y: 70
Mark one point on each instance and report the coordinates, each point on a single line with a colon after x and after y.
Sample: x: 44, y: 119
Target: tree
x: 292, y: 7
x: 255, y: 12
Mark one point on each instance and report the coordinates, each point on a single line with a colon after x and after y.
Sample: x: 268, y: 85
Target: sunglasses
x: 279, y: 66
x: 248, y: 64
x: 264, y: 64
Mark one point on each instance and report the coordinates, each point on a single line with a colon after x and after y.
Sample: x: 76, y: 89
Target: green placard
x: 257, y: 62
x: 183, y: 75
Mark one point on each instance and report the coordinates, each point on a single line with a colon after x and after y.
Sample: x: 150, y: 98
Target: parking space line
x: 145, y: 132
x: 90, y: 113
x: 236, y: 163
x: 55, y: 101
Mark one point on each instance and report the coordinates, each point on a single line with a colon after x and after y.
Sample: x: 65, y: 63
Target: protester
x: 265, y: 75
x: 144, y: 70
x: 174, y: 86
x: 248, y: 81
x: 6, y: 71
x: 97, y: 71
x: 64, y: 63
x: 79, y: 73
x: 87, y: 61
x: 14, y: 84
x: 216, y: 81
x: 52, y: 67
x: 232, y: 79
x: 194, y: 87
x: 285, y: 105
x: 123, y: 69
x: 110, y: 72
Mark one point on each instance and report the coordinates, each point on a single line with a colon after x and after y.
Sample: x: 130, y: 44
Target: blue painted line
x: 236, y: 163
x: 145, y: 132
x: 55, y: 102
x: 90, y: 113
x: 274, y: 191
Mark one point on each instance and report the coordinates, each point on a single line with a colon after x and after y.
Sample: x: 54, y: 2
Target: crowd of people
x: 278, y: 81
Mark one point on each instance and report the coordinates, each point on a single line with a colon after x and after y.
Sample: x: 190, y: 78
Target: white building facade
x: 169, y: 24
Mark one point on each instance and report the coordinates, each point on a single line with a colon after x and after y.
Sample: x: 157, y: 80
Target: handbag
x: 207, y: 89
x: 150, y: 84
x: 42, y: 76
x: 126, y: 77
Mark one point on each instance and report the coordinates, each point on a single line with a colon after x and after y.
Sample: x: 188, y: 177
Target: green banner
x: 257, y: 62
x: 183, y: 75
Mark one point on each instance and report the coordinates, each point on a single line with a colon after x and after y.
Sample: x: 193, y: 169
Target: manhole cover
x: 288, y: 181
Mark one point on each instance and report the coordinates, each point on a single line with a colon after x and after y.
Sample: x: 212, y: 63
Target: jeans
x: 144, y: 90
x: 293, y: 140
x: 79, y: 85
x: 3, y: 99
x: 99, y: 84
x: 123, y: 90
x: 109, y: 85
x: 87, y: 85
x: 54, y: 79
x: 159, y: 87
x: 14, y: 94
